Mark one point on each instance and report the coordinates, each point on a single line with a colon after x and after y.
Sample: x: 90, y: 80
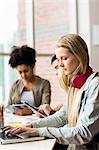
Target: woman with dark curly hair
x: 33, y: 89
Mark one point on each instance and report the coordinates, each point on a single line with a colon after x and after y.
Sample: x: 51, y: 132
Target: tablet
x: 34, y: 109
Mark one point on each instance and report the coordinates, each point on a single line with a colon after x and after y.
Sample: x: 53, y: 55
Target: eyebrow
x: 56, y: 67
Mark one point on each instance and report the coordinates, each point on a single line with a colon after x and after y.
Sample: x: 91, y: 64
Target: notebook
x: 4, y: 139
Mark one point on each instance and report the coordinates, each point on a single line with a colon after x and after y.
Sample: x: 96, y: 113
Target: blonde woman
x: 77, y: 123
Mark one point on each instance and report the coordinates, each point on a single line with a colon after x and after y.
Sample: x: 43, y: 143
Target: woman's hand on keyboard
x: 22, y: 131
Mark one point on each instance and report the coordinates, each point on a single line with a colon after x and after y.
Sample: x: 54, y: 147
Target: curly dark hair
x: 22, y: 55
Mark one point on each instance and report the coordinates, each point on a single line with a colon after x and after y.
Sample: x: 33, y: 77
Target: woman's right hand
x: 45, y: 108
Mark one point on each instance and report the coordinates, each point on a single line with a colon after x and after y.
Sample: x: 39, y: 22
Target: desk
x: 14, y: 120
x: 35, y: 145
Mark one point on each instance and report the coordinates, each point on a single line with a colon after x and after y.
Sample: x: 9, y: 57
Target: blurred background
x: 39, y: 23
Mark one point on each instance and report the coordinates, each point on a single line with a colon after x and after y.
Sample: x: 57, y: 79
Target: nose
x: 60, y: 63
x: 23, y: 75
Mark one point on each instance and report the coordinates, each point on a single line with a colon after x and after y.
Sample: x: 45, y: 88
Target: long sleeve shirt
x: 55, y: 126
x: 41, y: 92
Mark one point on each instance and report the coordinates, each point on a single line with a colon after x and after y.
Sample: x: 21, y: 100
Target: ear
x: 32, y: 65
x: 79, y: 80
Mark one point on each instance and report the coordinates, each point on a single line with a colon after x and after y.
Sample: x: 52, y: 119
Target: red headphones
x: 79, y: 80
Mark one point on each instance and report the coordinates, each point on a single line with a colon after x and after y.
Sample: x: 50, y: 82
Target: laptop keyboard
x: 9, y: 139
x: 9, y: 136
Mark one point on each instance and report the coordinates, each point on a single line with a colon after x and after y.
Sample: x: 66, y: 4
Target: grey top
x: 41, y: 92
x: 87, y: 125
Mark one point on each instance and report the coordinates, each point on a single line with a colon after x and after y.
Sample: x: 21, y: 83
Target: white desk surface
x: 35, y: 145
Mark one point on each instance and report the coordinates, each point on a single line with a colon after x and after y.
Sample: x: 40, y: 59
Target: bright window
x: 38, y: 23
x: 15, y: 29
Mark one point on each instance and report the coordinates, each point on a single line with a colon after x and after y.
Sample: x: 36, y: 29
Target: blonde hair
x: 78, y: 48
x: 63, y: 79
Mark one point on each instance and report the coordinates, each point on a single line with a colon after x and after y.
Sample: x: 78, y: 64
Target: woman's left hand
x: 23, y: 111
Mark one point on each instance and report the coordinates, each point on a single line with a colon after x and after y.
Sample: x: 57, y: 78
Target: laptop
x: 11, y: 139
x: 5, y: 139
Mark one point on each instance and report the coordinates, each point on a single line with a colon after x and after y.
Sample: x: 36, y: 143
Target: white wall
x: 88, y: 28
x: 94, y: 17
x: 84, y: 22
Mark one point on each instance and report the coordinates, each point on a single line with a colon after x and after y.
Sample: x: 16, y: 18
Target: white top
x: 28, y: 97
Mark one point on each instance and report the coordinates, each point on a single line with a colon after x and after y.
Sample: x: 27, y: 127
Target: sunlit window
x: 15, y: 28
x: 38, y: 23
x: 8, y: 23
x: 53, y: 19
